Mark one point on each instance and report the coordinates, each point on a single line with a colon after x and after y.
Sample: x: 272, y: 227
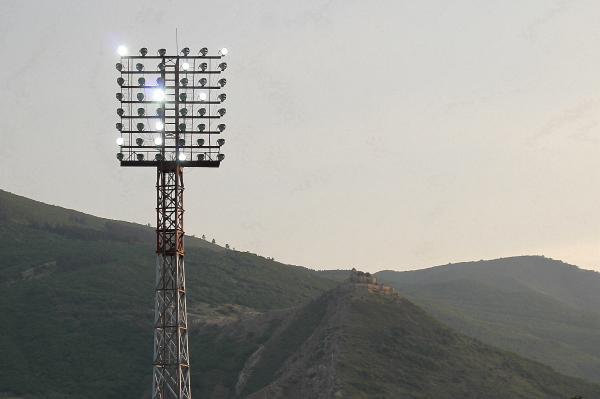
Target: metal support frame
x: 171, y: 360
x: 171, y: 374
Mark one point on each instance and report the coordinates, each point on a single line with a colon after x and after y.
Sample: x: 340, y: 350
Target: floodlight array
x: 171, y: 108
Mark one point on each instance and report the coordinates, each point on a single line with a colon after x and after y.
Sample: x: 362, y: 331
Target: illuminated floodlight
x: 224, y: 51
x: 122, y: 51
x: 158, y: 140
x: 120, y: 141
x: 185, y: 66
x: 159, y: 125
x: 182, y: 156
x: 158, y: 95
x: 202, y: 96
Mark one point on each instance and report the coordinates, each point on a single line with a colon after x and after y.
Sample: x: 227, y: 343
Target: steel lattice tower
x: 174, y: 102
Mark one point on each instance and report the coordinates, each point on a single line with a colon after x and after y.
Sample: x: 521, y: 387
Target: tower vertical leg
x: 171, y: 374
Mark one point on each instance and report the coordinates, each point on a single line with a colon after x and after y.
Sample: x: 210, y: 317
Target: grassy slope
x: 386, y: 347
x: 77, y: 299
x: 533, y: 306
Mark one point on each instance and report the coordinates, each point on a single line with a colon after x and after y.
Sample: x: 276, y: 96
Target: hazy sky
x: 377, y: 134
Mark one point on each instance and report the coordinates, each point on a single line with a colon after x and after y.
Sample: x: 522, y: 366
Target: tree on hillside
x: 203, y: 237
x: 213, y: 241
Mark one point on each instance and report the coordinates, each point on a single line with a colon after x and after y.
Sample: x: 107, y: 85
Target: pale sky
x: 376, y: 134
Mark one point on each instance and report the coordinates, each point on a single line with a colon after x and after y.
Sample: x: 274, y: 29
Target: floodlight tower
x: 171, y: 109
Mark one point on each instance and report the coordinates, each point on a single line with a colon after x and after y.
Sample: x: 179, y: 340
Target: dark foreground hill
x: 357, y: 341
x: 77, y: 299
x: 538, y: 307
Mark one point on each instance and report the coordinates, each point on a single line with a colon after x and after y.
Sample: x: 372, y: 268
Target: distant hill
x: 77, y: 299
x: 538, y: 307
x: 357, y: 342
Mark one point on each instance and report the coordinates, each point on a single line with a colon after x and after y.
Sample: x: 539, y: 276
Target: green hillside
x: 354, y: 342
x: 77, y: 299
x: 540, y: 308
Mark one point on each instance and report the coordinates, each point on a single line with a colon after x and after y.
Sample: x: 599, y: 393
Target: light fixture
x: 184, y: 81
x: 161, y: 66
x: 158, y: 157
x: 200, y: 142
x: 222, y: 97
x: 221, y: 127
x: 202, y: 111
x: 183, y: 111
x: 140, y: 96
x: 119, y: 66
x: 120, y: 111
x: 140, y: 157
x: 120, y: 156
x: 159, y: 125
x: 222, y: 82
x: 139, y: 141
x: 185, y: 51
x: 162, y: 52
x: 158, y: 140
x: 139, y: 66
x: 224, y: 51
x: 221, y: 111
x: 122, y: 51
x: 119, y: 126
x: 140, y: 126
x: 160, y: 82
x: 181, y: 143
x: 141, y: 111
x: 119, y: 96
x: 221, y: 157
x: 120, y: 141
x: 200, y: 157
x: 120, y: 81
x: 203, y: 66
x: 202, y: 96
x: 142, y: 81
x: 143, y: 51
x: 182, y: 127
x: 182, y: 156
x: 223, y: 66
x: 203, y: 82
x: 185, y: 66
x: 221, y: 142
x: 204, y: 51
x: 158, y: 95
x: 201, y: 127
x: 183, y: 97
x: 160, y: 111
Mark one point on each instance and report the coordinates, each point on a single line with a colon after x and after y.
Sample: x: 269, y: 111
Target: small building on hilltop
x: 356, y: 276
